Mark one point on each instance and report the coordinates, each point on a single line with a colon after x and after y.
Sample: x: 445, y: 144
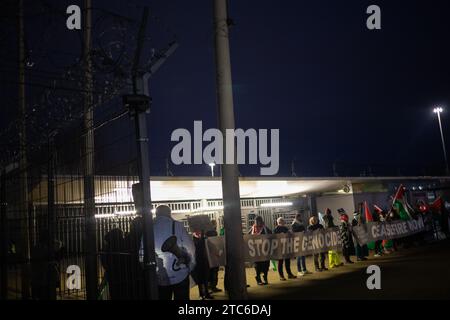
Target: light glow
x: 106, y: 215
x: 276, y: 204
x: 212, y: 208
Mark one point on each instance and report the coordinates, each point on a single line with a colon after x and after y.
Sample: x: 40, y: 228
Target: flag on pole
x: 399, y: 202
x: 436, y: 206
x: 369, y: 218
x: 367, y: 213
x: 377, y: 209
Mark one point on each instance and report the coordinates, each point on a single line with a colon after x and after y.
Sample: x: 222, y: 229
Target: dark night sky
x: 337, y: 91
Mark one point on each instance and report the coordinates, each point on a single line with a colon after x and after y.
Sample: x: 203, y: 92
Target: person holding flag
x: 401, y: 209
x: 399, y: 204
x: 367, y: 216
x: 376, y: 217
x: 439, y: 211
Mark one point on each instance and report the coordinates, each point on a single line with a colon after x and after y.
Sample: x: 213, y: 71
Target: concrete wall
x: 334, y: 202
x: 381, y: 199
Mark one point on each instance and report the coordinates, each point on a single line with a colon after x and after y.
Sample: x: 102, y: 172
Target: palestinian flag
x: 369, y: 218
x: 399, y: 202
x: 436, y: 206
x: 377, y: 209
x: 367, y: 213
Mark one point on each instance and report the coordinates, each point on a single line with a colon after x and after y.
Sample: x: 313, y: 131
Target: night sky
x: 338, y: 92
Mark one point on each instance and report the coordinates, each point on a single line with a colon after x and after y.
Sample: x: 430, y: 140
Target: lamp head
x: 438, y: 110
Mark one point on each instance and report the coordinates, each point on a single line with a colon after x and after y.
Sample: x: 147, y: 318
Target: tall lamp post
x: 438, y: 111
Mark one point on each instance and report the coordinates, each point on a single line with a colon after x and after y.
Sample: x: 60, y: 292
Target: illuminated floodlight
x: 212, y: 208
x: 276, y: 204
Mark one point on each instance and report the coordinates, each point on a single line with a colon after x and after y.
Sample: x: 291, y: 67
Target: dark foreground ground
x: 416, y: 273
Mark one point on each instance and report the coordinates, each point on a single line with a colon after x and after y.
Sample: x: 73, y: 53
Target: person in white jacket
x: 173, y: 275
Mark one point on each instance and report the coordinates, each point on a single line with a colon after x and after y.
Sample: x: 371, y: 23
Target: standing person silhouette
x: 172, y: 271
x: 281, y: 228
x: 261, y: 267
x: 313, y: 226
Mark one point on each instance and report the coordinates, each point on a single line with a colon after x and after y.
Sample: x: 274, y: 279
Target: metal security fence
x: 43, y: 241
x: 45, y: 245
x: 69, y: 134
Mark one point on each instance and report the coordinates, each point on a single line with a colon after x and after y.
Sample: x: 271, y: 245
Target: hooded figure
x: 348, y: 249
x: 361, y: 251
x: 377, y: 216
x: 281, y: 228
x: 115, y: 264
x: 298, y: 226
x: 261, y: 267
x: 213, y: 272
x: 45, y: 273
x: 328, y: 219
x: 201, y: 270
x: 333, y: 256
x: 313, y: 226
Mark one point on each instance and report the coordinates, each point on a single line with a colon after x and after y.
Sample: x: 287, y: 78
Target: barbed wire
x: 58, y: 99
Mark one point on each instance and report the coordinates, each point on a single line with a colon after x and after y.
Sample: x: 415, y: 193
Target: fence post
x: 24, y: 246
x: 4, y: 239
x: 143, y: 195
x: 138, y: 104
x: 91, y: 262
x: 51, y: 220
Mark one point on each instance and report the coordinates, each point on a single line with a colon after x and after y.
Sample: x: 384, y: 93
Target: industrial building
x: 268, y: 197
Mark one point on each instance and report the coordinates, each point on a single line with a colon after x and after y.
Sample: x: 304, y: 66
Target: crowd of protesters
x: 350, y: 248
x: 176, y: 280
x: 206, y: 278
x: 183, y: 262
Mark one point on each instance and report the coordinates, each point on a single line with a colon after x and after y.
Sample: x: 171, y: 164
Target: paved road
x: 415, y: 273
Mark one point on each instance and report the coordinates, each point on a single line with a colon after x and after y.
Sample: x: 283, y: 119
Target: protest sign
x: 289, y: 245
x: 200, y: 223
x: 215, y: 249
x: 277, y: 246
x: 374, y: 231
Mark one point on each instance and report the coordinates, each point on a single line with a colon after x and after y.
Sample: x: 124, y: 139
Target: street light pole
x: 236, y: 283
x: 438, y: 111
